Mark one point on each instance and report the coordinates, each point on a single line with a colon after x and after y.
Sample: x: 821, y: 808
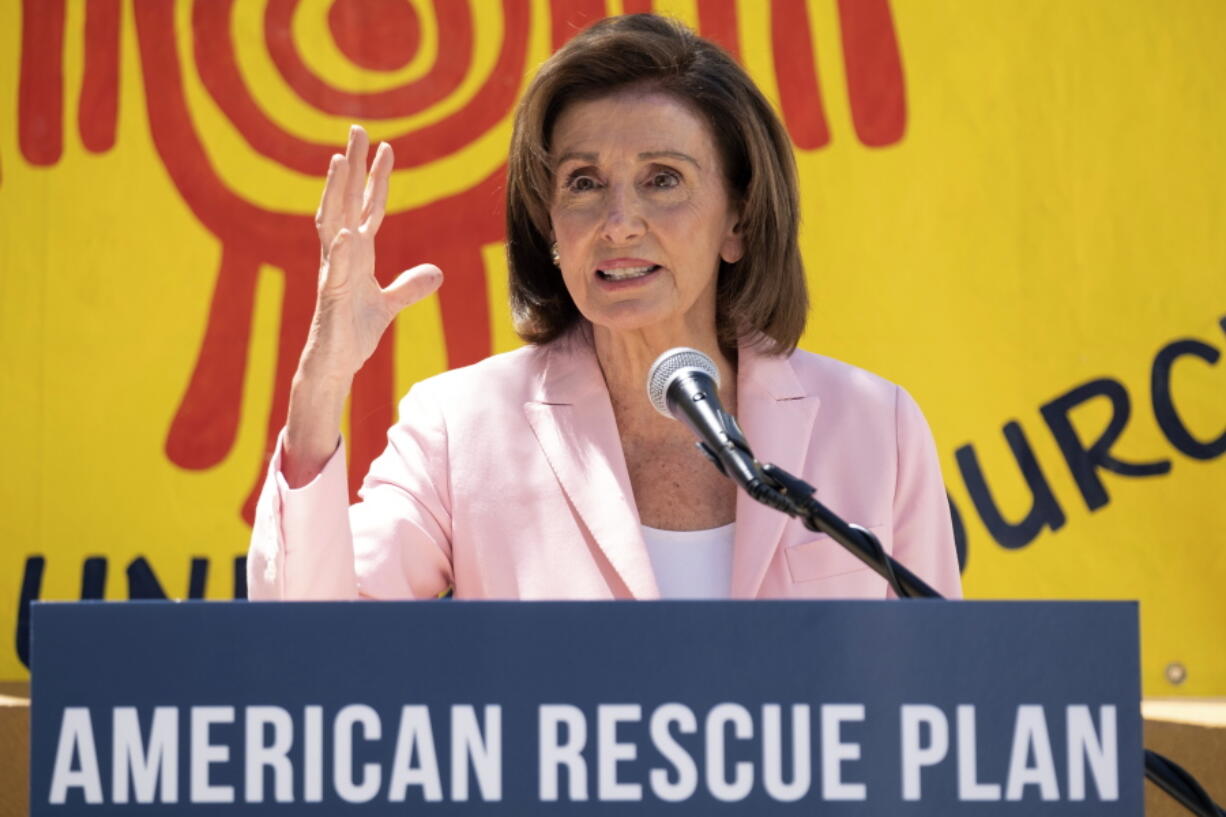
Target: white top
x: 691, y: 564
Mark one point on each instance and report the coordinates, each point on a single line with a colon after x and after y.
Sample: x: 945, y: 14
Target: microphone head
x: 669, y: 366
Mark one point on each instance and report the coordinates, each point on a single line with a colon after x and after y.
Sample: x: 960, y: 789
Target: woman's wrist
x: 313, y: 426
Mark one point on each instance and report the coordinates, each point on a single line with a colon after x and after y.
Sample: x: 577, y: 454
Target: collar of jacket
x: 572, y: 417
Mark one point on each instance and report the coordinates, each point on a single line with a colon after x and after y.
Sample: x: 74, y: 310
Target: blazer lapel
x: 573, y: 421
x: 777, y: 417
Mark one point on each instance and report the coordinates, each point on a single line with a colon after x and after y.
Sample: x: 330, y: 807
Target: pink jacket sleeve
x: 923, y: 528
x: 308, y: 543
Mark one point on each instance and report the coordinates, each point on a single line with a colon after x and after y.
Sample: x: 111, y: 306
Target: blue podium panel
x: 645, y: 708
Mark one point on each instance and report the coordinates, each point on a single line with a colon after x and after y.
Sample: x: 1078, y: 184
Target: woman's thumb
x: 412, y: 285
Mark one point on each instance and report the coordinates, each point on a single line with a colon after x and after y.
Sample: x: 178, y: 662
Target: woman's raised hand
x: 351, y: 310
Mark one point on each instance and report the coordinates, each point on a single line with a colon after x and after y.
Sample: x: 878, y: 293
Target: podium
x: 671, y: 708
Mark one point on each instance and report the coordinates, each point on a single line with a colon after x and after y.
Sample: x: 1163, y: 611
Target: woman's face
x: 641, y: 214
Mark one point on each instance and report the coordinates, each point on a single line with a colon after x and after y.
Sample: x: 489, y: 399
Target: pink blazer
x: 506, y: 480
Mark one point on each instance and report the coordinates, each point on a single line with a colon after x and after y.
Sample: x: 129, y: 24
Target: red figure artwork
x: 450, y: 231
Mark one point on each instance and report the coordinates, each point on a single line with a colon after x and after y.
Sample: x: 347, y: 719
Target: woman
x: 651, y: 203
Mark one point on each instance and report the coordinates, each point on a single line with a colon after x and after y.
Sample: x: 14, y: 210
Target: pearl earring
x: 553, y: 254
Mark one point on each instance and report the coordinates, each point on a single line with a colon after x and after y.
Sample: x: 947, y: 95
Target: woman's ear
x: 733, y: 247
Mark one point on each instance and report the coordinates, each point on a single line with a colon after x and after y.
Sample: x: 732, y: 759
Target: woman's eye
x: 664, y: 179
x: 580, y: 183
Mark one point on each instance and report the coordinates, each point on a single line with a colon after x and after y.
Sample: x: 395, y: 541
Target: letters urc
x: 1085, y: 460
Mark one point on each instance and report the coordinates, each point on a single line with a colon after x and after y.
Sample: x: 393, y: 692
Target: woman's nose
x: 623, y: 221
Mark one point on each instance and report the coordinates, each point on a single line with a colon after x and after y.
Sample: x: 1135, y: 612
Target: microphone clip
x: 764, y: 483
x: 733, y: 441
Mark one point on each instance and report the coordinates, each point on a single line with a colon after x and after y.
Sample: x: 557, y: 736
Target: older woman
x: 651, y: 203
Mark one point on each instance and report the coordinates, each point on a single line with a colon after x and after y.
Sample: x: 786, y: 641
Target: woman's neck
x: 626, y: 357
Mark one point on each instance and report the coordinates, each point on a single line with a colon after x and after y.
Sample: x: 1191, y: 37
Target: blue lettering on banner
x: 1084, y: 460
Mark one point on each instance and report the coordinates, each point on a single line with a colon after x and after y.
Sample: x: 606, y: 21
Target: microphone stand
x: 860, y: 542
x: 775, y: 487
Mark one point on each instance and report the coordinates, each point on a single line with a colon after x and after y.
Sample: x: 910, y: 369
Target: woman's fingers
x: 375, y: 203
x: 334, y: 273
x: 355, y: 154
x: 331, y: 203
x: 352, y: 311
x: 412, y: 285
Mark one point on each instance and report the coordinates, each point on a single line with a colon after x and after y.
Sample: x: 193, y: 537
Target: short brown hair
x: 762, y: 298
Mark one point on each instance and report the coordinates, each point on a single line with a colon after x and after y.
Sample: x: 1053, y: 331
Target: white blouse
x: 691, y: 564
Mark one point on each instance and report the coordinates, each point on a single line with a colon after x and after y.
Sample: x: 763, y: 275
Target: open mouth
x: 626, y: 273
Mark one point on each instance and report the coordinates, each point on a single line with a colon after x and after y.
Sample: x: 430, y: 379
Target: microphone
x: 683, y: 384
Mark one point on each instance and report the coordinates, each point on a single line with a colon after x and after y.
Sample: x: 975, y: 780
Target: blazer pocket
x: 824, y: 558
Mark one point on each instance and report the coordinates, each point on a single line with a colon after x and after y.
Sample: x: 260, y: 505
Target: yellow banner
x: 1014, y: 209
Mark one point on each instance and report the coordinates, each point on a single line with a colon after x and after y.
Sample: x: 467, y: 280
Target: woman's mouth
x: 626, y: 273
